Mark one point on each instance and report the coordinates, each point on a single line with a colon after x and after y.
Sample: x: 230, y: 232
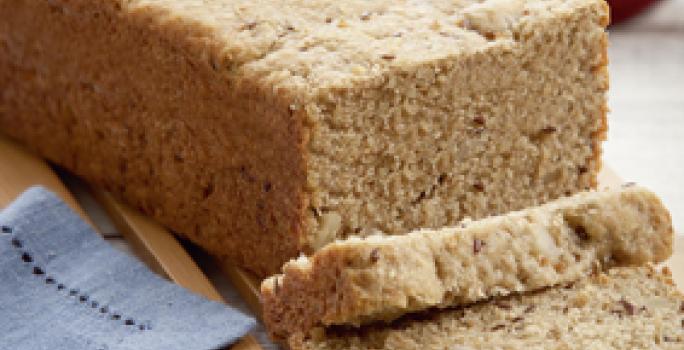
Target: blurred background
x: 646, y: 137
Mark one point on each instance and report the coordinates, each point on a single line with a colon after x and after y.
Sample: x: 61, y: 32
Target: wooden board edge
x: 162, y: 251
x: 22, y: 170
x: 246, y: 284
x: 155, y: 244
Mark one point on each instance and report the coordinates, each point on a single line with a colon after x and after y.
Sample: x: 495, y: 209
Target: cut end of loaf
x: 514, y: 123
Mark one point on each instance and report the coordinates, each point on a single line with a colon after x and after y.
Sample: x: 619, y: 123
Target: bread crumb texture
x: 626, y: 308
x: 262, y: 129
x: 357, y: 281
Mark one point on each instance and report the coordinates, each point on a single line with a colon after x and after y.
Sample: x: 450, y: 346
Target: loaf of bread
x: 261, y: 129
x: 626, y: 308
x: 381, y: 278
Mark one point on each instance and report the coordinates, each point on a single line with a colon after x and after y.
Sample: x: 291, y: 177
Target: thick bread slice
x: 383, y: 277
x: 626, y: 308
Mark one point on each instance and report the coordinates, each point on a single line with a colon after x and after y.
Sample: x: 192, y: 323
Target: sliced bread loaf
x: 260, y: 129
x: 380, y: 278
x: 626, y: 308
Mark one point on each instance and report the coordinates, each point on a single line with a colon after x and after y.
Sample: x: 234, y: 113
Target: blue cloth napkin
x: 64, y: 287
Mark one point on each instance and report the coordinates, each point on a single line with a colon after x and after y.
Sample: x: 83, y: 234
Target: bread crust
x: 133, y: 104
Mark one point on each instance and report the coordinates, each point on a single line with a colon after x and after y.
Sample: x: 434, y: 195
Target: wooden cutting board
x: 20, y: 169
x: 159, y: 248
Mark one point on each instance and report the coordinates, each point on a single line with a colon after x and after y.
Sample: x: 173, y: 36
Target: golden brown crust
x: 146, y: 116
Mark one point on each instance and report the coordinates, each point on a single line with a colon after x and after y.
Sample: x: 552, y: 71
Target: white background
x: 646, y: 138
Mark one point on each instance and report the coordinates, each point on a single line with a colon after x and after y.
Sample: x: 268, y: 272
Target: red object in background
x: 621, y: 10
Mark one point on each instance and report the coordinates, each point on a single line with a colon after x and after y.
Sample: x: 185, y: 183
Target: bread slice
x: 381, y: 278
x: 261, y: 129
x: 626, y: 308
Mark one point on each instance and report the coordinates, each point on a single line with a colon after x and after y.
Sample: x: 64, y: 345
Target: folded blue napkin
x: 64, y: 287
